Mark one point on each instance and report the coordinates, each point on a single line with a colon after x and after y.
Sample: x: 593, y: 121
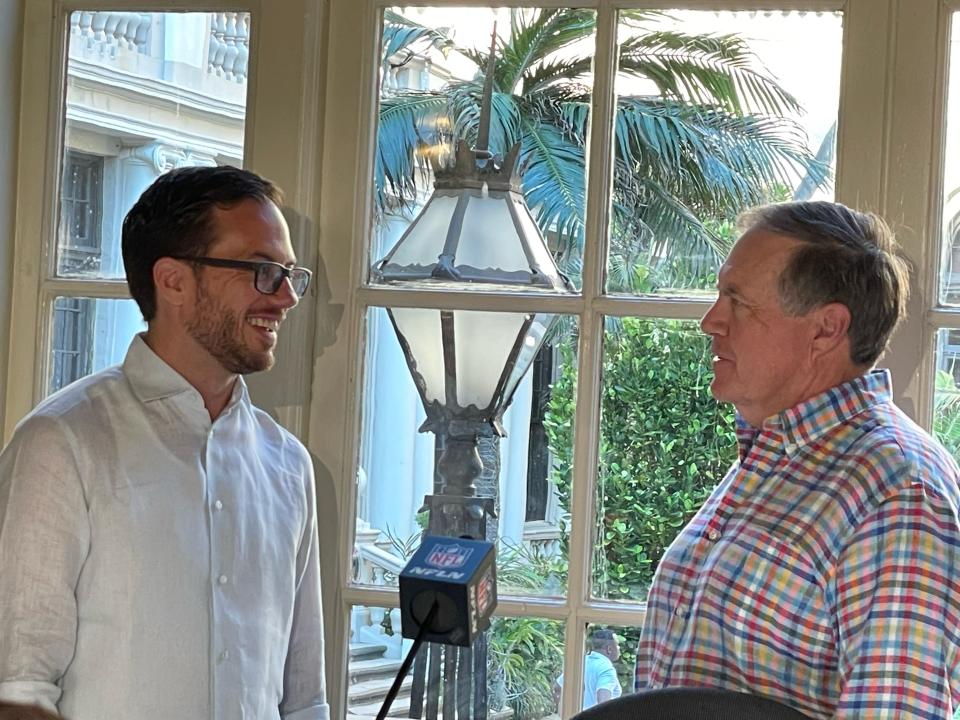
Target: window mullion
x: 40, y: 102
x: 587, y: 418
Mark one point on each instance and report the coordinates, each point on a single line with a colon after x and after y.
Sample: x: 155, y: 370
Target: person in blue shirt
x: 600, y: 681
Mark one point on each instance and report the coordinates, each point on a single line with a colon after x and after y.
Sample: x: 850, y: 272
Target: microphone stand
x: 407, y: 662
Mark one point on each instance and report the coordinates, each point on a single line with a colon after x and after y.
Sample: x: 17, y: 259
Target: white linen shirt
x: 154, y: 564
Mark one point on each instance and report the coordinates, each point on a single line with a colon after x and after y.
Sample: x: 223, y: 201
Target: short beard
x: 217, y: 330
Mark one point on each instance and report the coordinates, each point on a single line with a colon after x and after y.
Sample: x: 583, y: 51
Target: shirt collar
x: 804, y: 423
x: 153, y: 379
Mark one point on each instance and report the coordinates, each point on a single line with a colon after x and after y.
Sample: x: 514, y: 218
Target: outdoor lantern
x: 475, y: 233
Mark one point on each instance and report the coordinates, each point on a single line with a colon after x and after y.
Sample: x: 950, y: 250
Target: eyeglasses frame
x: 254, y: 266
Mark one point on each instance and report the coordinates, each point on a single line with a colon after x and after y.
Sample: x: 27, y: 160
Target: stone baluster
x: 229, y: 45
x: 125, y: 30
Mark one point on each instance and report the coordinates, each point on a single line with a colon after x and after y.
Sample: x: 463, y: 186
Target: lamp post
x: 475, y: 233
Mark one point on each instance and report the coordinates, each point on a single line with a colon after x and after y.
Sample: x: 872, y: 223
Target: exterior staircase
x: 370, y: 676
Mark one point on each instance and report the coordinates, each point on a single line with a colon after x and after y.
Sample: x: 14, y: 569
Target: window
x: 144, y: 92
x: 81, y: 210
x: 315, y: 134
x: 946, y: 403
x: 72, y: 328
x: 631, y: 449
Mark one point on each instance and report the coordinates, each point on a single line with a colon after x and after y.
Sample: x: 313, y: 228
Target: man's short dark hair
x: 173, y: 217
x: 847, y: 256
x: 599, y: 639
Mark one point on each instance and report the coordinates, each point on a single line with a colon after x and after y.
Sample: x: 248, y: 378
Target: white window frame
x: 312, y: 91
x: 889, y: 161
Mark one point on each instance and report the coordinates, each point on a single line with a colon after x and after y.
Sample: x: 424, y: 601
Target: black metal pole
x: 407, y: 662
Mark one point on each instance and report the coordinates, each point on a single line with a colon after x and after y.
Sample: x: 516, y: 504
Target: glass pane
x: 146, y: 92
x: 523, y: 657
x: 946, y: 399
x: 520, y: 471
x: 89, y: 335
x: 433, y: 61
x: 608, y: 662
x: 716, y: 112
x: 664, y: 444
x: 950, y: 263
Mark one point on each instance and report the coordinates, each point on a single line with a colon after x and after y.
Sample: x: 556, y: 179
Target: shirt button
x: 713, y: 535
x: 218, y: 505
x: 222, y: 579
x: 680, y: 611
x: 225, y: 655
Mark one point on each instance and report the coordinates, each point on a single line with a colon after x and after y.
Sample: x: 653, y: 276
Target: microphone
x: 448, y: 591
x: 457, y: 574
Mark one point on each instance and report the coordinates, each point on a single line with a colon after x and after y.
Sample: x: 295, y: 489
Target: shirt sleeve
x: 304, y: 688
x: 44, y: 540
x: 898, y: 611
x: 607, y: 680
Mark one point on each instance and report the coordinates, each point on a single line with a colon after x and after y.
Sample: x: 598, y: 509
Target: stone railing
x: 375, y: 566
x: 229, y: 52
x: 111, y: 30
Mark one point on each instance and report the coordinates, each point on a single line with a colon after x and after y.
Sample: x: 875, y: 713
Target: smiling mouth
x: 265, y: 324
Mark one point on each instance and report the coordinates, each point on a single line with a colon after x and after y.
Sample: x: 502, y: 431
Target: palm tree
x: 712, y: 140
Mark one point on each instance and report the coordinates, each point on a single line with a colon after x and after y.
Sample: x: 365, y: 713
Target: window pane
x: 523, y: 658
x: 608, y: 662
x: 433, y: 61
x: 946, y: 401
x: 398, y: 464
x: 90, y: 335
x: 146, y: 92
x: 716, y: 112
x: 950, y: 262
x: 664, y: 444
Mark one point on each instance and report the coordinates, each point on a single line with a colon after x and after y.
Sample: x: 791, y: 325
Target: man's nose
x: 713, y: 323
x: 285, y: 295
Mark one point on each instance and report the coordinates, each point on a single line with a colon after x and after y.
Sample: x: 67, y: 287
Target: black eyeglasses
x: 267, y: 276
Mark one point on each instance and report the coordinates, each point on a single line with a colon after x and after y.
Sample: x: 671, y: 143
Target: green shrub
x: 946, y: 413
x: 665, y: 443
x: 525, y: 654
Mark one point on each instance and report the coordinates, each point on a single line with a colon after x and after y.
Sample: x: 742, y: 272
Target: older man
x: 824, y: 570
x: 158, y: 533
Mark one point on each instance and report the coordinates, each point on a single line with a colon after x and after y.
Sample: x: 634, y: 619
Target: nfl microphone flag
x: 457, y: 574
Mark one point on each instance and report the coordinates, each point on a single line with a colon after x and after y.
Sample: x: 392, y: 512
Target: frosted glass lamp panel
x: 528, y: 351
x: 489, y: 238
x: 538, y: 250
x: 484, y: 342
x: 426, y: 239
x: 421, y: 329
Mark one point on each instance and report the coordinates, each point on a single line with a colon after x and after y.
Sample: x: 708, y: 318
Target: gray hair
x: 848, y: 257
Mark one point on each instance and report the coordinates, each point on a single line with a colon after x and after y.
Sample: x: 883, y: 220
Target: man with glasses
x: 158, y: 533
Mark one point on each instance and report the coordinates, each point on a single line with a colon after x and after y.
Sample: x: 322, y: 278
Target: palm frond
x: 505, y: 116
x: 553, y: 180
x: 715, y: 161
x: 707, y: 69
x: 400, y: 33
x: 408, y: 122
x: 535, y: 37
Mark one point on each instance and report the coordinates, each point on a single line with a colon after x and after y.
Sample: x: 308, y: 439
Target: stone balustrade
x: 229, y: 52
x: 125, y: 30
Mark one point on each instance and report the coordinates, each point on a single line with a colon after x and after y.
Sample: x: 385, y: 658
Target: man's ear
x: 174, y: 281
x: 833, y: 322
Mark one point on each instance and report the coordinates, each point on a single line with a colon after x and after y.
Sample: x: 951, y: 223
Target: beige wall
x: 11, y: 11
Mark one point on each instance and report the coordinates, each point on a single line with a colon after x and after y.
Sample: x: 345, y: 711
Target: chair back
x: 691, y: 703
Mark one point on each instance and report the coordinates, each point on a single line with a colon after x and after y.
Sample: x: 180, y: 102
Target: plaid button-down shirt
x: 824, y: 570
